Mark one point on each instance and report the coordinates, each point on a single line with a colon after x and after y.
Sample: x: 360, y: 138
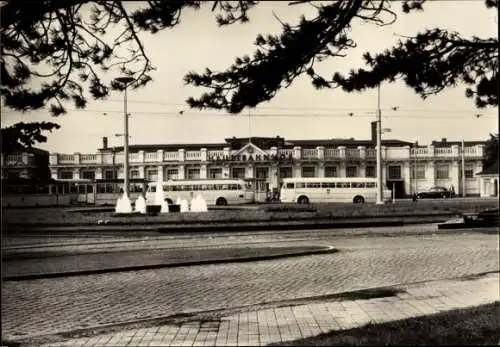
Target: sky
x: 298, y: 112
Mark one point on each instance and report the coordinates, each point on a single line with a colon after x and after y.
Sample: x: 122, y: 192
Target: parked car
x: 436, y: 193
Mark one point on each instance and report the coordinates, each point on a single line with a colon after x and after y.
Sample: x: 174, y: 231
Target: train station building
x: 407, y: 167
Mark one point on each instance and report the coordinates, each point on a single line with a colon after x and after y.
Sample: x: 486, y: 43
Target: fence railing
x: 171, y: 156
x: 151, y: 156
x: 309, y: 153
x: 193, y: 155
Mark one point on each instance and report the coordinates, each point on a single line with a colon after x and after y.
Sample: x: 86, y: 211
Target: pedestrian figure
x: 414, y: 197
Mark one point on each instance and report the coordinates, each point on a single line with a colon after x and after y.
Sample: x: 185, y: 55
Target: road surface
x: 63, y: 304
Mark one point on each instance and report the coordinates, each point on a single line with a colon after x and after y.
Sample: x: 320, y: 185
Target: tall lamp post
x: 126, y: 206
x: 380, y: 197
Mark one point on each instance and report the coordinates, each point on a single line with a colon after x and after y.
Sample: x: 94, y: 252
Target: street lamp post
x: 125, y: 81
x: 380, y: 197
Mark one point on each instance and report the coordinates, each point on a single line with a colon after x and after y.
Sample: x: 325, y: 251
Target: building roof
x: 446, y: 143
x: 351, y: 142
x: 33, y: 150
x: 491, y: 169
x: 150, y: 147
x: 236, y: 143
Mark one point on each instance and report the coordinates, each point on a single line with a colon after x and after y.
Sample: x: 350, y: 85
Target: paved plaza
x: 255, y: 300
x: 279, y: 324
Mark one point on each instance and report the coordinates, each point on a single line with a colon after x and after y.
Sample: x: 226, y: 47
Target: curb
x: 358, y: 222
x: 293, y: 225
x: 332, y: 219
x: 449, y: 226
x: 326, y: 250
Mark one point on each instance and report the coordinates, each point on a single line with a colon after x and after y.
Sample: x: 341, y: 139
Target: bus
x: 357, y: 190
x: 218, y: 192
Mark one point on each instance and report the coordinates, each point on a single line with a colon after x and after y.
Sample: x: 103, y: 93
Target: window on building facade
x: 13, y: 174
x: 417, y: 171
x: 193, y: 173
x: 351, y: 171
x: 261, y: 172
x: 65, y: 175
x: 469, y: 173
x: 172, y: 174
x: 394, y: 172
x: 370, y: 171
x: 286, y: 172
x: 215, y: 173
x: 152, y: 175
x: 88, y: 174
x: 134, y: 173
x: 308, y: 171
x: 110, y: 174
x: 330, y: 171
x: 238, y: 172
x: 442, y: 171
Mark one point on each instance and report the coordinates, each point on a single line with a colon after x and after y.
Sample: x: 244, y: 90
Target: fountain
x: 184, y: 205
x: 164, y: 207
x: 123, y: 204
x: 194, y: 204
x: 140, y: 205
x: 160, y: 198
x: 198, y: 204
x: 202, y: 204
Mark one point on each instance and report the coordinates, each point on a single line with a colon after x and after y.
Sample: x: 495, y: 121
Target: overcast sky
x: 299, y: 112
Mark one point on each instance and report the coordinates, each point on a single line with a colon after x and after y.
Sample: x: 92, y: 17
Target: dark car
x: 435, y: 193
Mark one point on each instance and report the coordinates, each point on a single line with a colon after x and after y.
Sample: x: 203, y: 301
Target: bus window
x: 152, y: 189
x: 343, y: 184
x: 289, y: 185
x: 90, y: 188
x: 101, y: 188
x: 370, y: 185
x: 358, y: 184
x: 313, y: 185
x: 328, y: 185
x: 301, y: 185
x: 224, y: 187
x: 240, y: 187
x: 110, y: 188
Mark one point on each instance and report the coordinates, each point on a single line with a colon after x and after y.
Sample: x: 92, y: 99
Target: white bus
x: 215, y: 192
x: 330, y: 189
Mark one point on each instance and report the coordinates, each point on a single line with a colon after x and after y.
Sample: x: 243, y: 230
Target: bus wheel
x: 303, y: 200
x: 358, y: 199
x: 221, y: 202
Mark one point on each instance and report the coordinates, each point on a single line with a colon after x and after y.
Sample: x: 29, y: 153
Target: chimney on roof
x: 105, y: 142
x: 443, y: 140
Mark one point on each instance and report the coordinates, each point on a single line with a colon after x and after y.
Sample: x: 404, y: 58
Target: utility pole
x: 463, y: 169
x: 380, y: 197
x: 125, y: 81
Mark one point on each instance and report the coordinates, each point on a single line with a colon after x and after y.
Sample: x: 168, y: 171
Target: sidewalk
x: 291, y: 322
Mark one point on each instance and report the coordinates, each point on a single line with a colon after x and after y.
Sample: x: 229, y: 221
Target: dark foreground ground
x: 473, y: 326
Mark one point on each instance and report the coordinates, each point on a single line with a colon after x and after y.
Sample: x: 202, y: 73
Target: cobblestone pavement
x: 49, y: 306
x: 288, y: 323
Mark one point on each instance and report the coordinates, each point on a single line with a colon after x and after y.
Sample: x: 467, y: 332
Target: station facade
x: 265, y: 161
